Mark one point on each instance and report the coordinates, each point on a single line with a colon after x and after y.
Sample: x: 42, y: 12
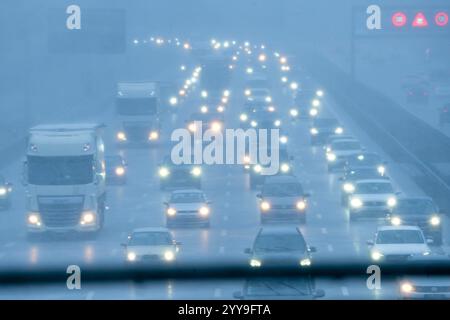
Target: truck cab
x: 137, y: 113
x: 64, y: 176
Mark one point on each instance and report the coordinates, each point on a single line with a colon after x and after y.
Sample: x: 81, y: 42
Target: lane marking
x: 344, y: 291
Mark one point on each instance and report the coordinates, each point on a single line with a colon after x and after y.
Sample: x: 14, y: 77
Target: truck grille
x: 375, y: 203
x: 139, y: 134
x: 58, y: 212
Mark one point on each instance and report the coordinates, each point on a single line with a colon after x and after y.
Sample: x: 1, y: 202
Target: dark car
x: 282, y: 199
x: 351, y: 176
x: 280, y: 246
x: 421, y: 212
x: 322, y: 128
x: 173, y: 176
x: 5, y: 191
x: 265, y: 120
x: 256, y: 175
x: 116, y: 170
x: 365, y: 160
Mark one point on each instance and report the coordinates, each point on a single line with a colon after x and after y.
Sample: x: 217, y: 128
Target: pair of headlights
x: 434, y: 221
x: 87, y: 218
x: 152, y: 136
x: 358, y: 203
x: 255, y: 263
x: 300, y: 205
x: 203, y: 211
x: 164, y: 172
x: 168, y: 256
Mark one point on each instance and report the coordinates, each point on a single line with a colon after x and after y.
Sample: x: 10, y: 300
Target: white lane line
x: 217, y: 293
x: 221, y: 249
x: 330, y: 248
x: 344, y: 291
x: 224, y: 233
x: 90, y: 295
x: 324, y: 230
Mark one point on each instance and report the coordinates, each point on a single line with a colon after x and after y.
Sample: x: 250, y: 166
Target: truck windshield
x: 72, y: 170
x: 137, y: 106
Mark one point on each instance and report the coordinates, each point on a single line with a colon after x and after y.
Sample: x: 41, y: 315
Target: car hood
x: 283, y: 200
x: 374, y: 197
x: 408, y: 248
x: 186, y: 206
x: 150, y: 250
x: 344, y: 153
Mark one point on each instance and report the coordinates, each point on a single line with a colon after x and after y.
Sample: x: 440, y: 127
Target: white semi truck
x: 137, y: 113
x: 64, y: 175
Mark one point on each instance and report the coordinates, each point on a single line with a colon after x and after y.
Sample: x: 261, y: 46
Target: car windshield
x: 345, y: 145
x: 282, y: 190
x: 277, y: 243
x: 400, y: 237
x: 415, y: 207
x: 137, y: 106
x: 72, y: 170
x: 374, y: 188
x: 187, y: 197
x: 150, y: 239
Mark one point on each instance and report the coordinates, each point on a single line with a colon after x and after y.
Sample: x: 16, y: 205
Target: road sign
x: 441, y: 19
x: 399, y: 19
x: 420, y: 21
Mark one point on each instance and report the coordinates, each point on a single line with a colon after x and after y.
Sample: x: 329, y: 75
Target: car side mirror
x: 259, y: 195
x: 370, y: 242
x: 319, y: 293
x: 312, y: 249
x: 248, y: 251
x: 238, y: 295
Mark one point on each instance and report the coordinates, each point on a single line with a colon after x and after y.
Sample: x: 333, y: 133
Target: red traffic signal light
x: 420, y: 21
x: 399, y: 19
x: 441, y: 19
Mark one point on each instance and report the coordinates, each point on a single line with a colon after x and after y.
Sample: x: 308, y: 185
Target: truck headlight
x: 196, y: 171
x: 120, y: 171
x: 173, y: 101
x: 392, y: 202
x: 376, y: 255
x: 121, y: 136
x: 315, y: 103
x: 268, y: 99
x: 396, y: 221
x: 34, y: 218
x: 3, y: 191
x: 204, y: 211
x: 331, y: 157
x: 305, y: 262
x: 314, y: 131
x: 88, y: 217
x: 265, y: 206
x: 216, y: 126
x: 131, y: 256
x: 247, y: 159
x: 243, y: 117
x: 257, y: 168
x: 319, y: 93
x: 301, y: 205
x: 285, y: 167
x: 169, y: 255
x: 164, y: 172
x: 277, y: 123
x: 406, y: 287
x: 381, y: 170
x: 254, y: 124
x: 283, y: 139
x: 171, y: 212
x: 348, y: 187
x: 356, y: 203
x: 293, y: 112
x: 339, y: 130
x: 255, y: 263
x: 435, y: 221
x: 247, y: 92
x: 154, y: 135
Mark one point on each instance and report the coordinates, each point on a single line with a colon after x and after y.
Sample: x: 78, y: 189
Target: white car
x: 338, y: 151
x: 398, y: 244
x: 188, y: 206
x: 151, y: 245
x: 372, y: 198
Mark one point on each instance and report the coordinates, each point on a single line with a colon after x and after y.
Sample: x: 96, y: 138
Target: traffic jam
x: 235, y: 153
